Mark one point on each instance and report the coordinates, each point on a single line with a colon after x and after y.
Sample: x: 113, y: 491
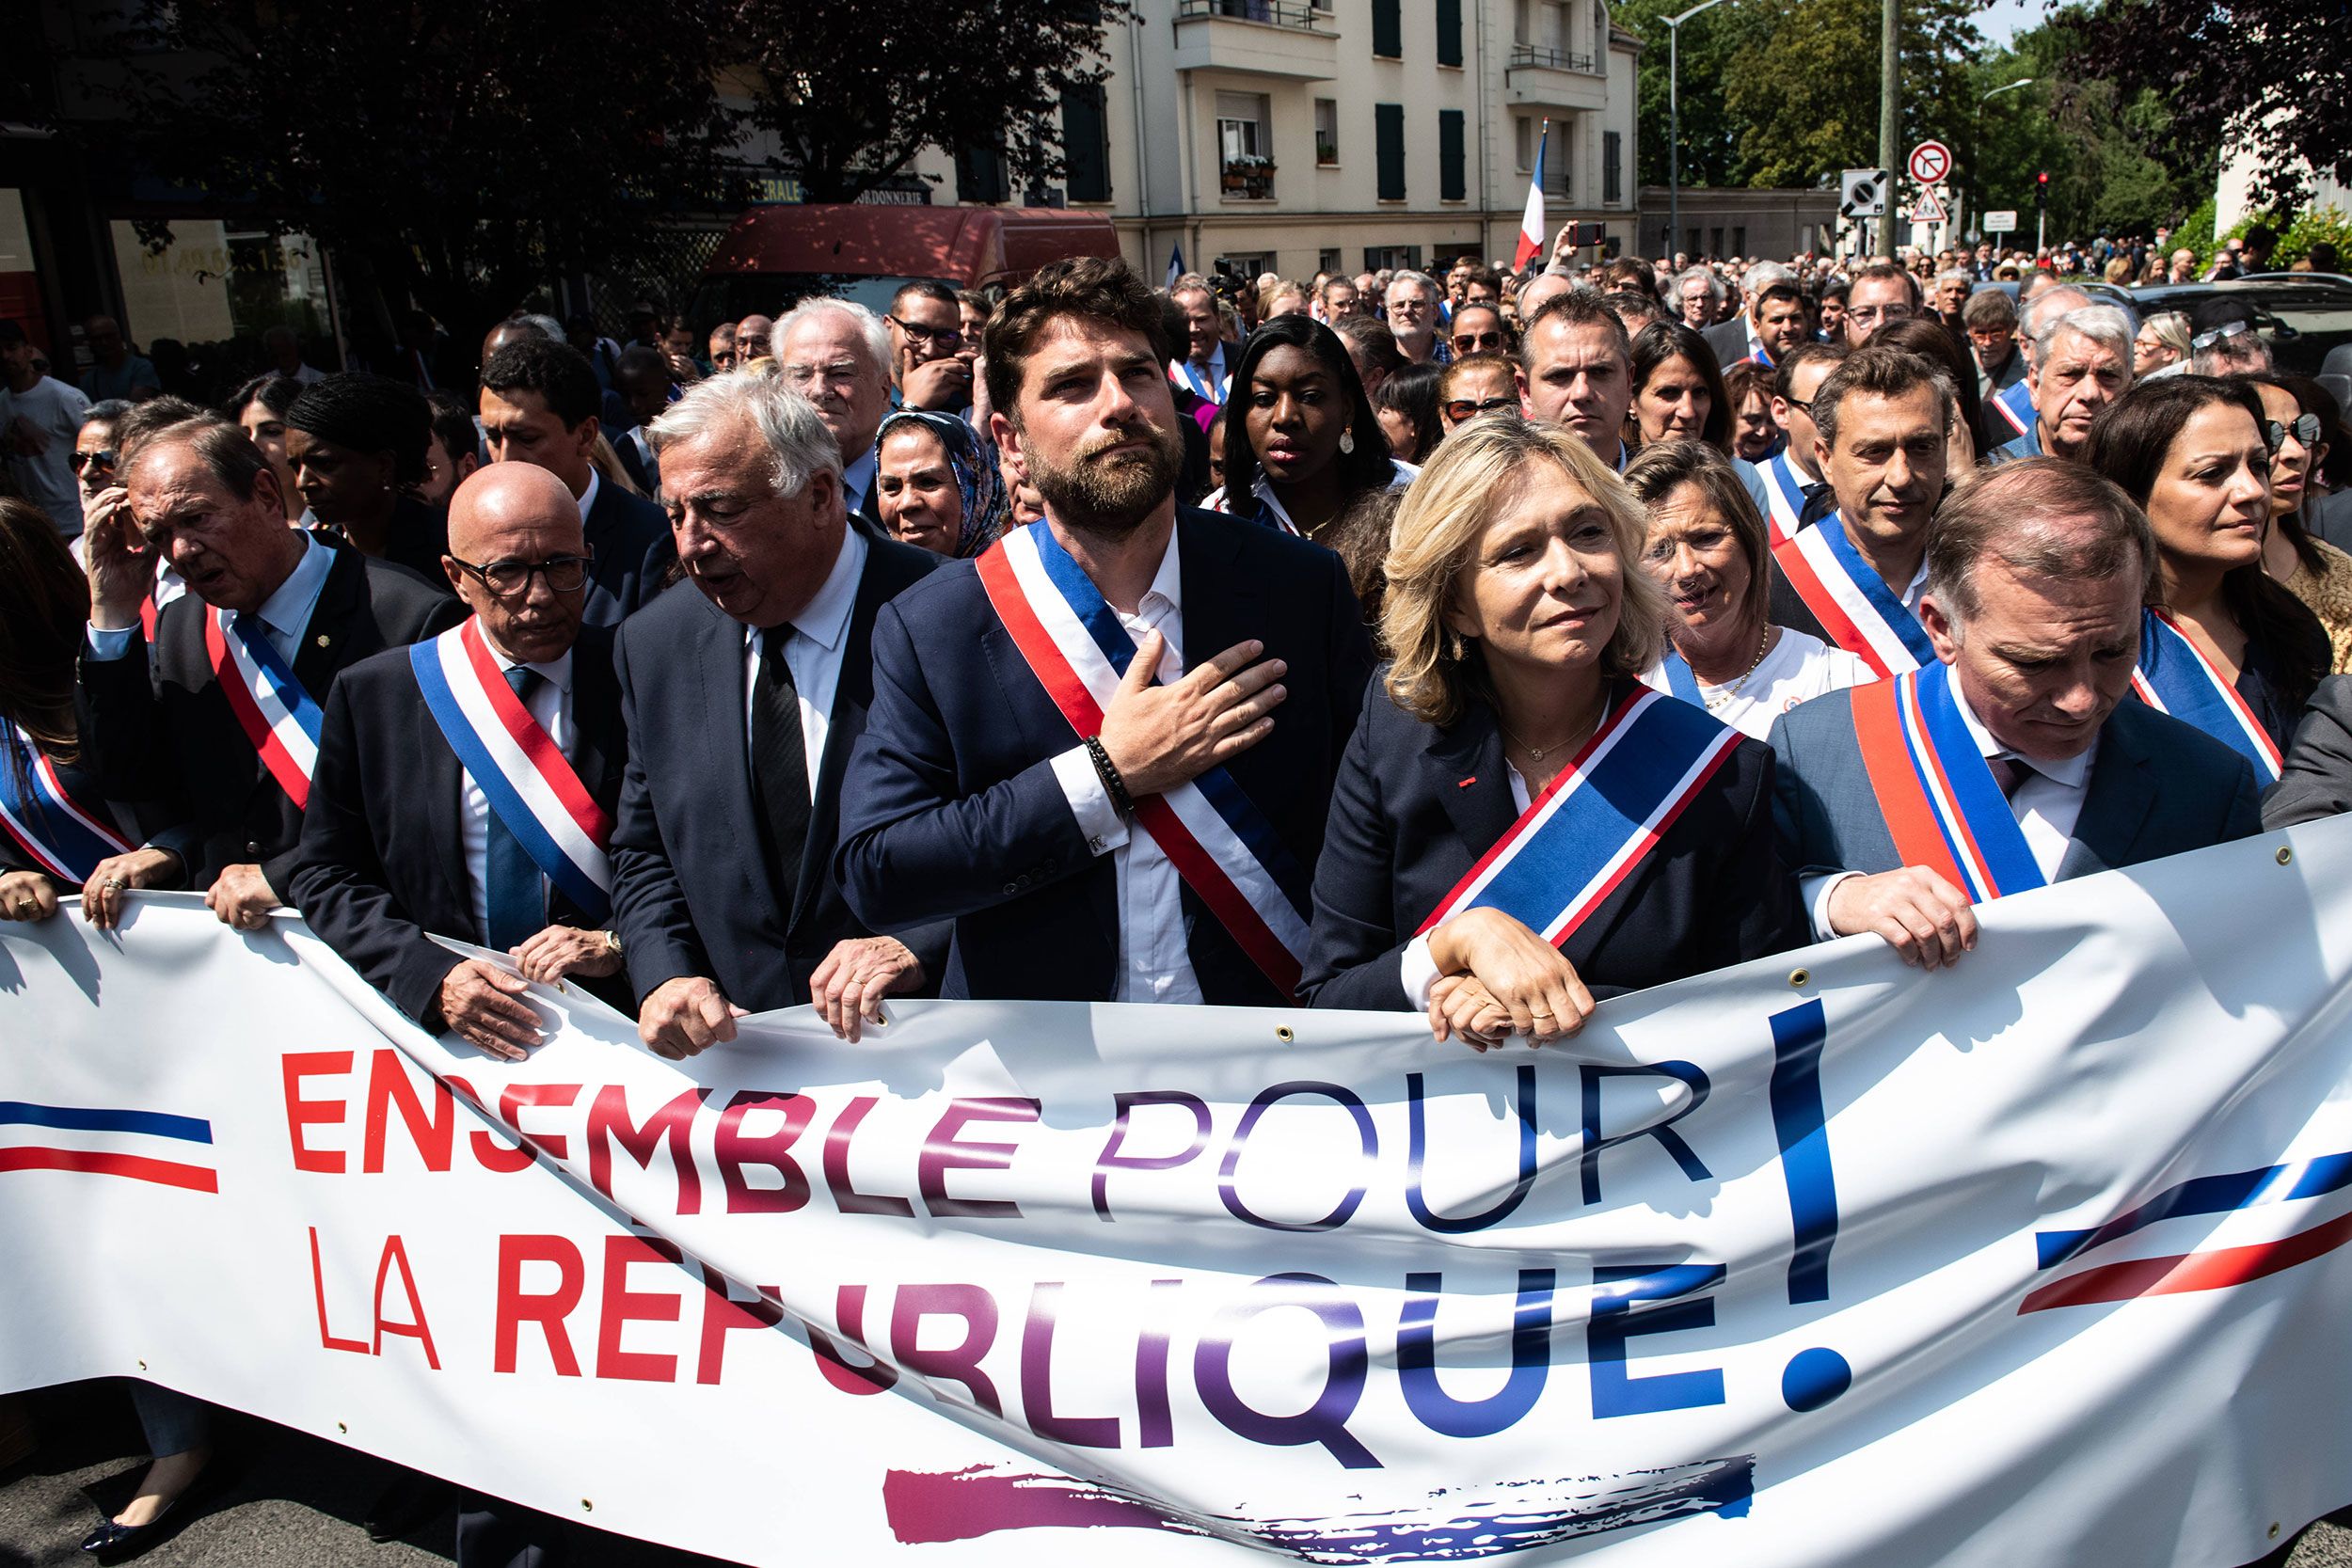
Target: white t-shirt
x: 1799, y: 668
x: 55, y: 410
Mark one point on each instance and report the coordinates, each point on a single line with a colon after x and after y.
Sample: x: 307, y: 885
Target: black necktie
x: 779, y: 758
x: 2008, y: 773
x: 1820, y: 501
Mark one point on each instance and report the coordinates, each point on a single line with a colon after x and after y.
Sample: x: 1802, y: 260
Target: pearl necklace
x: 1725, y: 695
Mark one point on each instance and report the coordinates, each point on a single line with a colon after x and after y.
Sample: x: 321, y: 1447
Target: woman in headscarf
x: 358, y: 446
x: 936, y: 485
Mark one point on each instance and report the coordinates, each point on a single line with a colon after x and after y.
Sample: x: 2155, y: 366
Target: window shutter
x: 1387, y: 121
x: 1453, y: 182
x: 1387, y: 29
x: 1449, y: 32
x: 1085, y: 142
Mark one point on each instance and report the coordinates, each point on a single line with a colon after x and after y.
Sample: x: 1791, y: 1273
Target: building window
x: 1245, y: 143
x: 1522, y: 143
x: 1391, y: 257
x: 1327, y: 130
x: 1715, y: 242
x: 1388, y: 122
x: 1520, y: 21
x: 1328, y: 260
x: 1245, y: 268
x: 1560, y: 162
x: 1612, y: 170
x: 981, y: 175
x: 1739, y: 240
x: 1450, y: 32
x: 1453, y: 179
x: 1086, y: 142
x: 1387, y: 29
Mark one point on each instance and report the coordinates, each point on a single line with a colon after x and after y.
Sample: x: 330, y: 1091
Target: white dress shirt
x: 820, y: 635
x: 550, y: 703
x: 1155, y: 965
x: 2047, y: 802
x: 285, y: 615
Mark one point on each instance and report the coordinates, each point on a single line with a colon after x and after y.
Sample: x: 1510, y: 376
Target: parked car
x: 774, y: 257
x: 2301, y: 315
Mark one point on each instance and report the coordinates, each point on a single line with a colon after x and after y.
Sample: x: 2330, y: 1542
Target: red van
x: 774, y: 257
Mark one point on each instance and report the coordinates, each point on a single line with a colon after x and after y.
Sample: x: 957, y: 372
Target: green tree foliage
x: 852, y: 92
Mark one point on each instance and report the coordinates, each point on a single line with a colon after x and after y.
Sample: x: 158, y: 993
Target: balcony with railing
x: 1544, y: 77
x: 1289, y: 38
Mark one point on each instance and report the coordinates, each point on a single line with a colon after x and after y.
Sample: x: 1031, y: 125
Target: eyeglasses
x: 1471, y: 342
x: 841, y: 372
x: 2220, y: 334
x: 2304, y: 430
x: 950, y: 336
x: 511, y: 580
x: 1868, y: 314
x: 104, y: 458
x: 1458, y: 409
x: 1802, y: 406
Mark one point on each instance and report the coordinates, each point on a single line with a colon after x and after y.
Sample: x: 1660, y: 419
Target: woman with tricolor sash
x: 59, y: 835
x: 1301, y: 441
x: 1709, y: 550
x: 2222, y: 645
x: 1520, y: 826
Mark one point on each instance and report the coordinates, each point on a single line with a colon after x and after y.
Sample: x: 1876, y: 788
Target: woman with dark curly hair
x: 358, y: 446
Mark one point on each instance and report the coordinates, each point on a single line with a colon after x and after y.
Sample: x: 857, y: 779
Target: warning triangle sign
x: 1929, y: 209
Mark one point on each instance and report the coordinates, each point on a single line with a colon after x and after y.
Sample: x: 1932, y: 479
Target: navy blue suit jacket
x: 630, y: 540
x: 173, y: 740
x: 2157, y: 787
x: 383, y: 855
x: 1417, y: 805
x: 692, y: 893
x: 953, y: 811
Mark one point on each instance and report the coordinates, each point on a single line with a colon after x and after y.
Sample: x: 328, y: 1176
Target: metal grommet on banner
x: 142, y: 1366
x: 2274, y: 1528
x: 344, y: 1430
x: 587, y: 1506
x: 1282, y: 1032
x: 2286, y: 856
x: 1800, y: 976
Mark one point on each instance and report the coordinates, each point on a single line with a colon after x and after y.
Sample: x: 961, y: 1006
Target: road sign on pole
x: 2001, y: 223
x: 1929, y: 209
x: 1930, y: 162
x: 1862, y: 193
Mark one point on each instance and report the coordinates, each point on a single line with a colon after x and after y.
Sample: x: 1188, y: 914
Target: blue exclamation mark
x: 1813, y: 1377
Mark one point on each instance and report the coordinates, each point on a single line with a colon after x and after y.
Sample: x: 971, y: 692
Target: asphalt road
x: 295, y: 1501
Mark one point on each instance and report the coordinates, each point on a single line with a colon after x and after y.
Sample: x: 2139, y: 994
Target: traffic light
x: 2041, y: 187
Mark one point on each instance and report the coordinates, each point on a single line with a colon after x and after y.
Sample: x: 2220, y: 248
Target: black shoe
x: 113, y: 1542
x: 408, y: 1499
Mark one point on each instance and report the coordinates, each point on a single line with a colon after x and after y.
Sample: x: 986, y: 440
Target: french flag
x: 1532, y: 225
x: 137, y: 1145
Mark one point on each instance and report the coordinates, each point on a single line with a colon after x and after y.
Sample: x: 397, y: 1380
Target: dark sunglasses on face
x: 104, y: 457
x: 2220, y: 334
x: 1471, y: 343
x: 1458, y: 409
x: 2305, y: 431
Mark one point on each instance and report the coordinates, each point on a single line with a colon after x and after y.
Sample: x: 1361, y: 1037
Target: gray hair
x: 869, y: 325
x: 1407, y: 275
x: 549, y: 327
x: 1951, y: 274
x: 2049, y: 303
x: 2241, y: 354
x: 1715, y: 288
x: 796, y: 439
x: 1764, y: 275
x: 2104, y: 325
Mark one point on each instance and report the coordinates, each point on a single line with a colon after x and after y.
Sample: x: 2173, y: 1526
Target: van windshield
x: 731, y: 297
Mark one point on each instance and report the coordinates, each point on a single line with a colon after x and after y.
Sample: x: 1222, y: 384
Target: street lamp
x: 1674, y: 122
x: 2020, y: 82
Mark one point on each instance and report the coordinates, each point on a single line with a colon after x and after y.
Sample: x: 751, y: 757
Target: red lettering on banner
x: 396, y: 1255
x: 850, y: 1313
x: 737, y: 1149
x: 296, y: 1066
x: 517, y: 1096
x: 846, y: 1198
x: 318, y: 1292
x: 389, y: 1085
x: 941, y: 1153
x: 622, y: 1307
x: 514, y: 1309
x: 722, y: 1313
x: 607, y: 1120
x: 491, y: 1152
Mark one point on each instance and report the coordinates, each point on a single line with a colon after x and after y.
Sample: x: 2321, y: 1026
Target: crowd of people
x: 1483, y: 647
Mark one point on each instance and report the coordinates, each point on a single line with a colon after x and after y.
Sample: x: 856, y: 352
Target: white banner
x: 1818, y: 1261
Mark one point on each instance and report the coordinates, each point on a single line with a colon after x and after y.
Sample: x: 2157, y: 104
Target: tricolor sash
x: 1786, y: 492
x: 1206, y: 385
x: 1579, y: 841
x: 277, y: 716
x: 2014, y: 404
x: 2175, y: 677
x: 518, y: 769
x: 1759, y: 356
x: 1943, y: 807
x: 1220, y: 842
x: 64, y: 837
x: 1856, y: 608
x: 1682, y: 682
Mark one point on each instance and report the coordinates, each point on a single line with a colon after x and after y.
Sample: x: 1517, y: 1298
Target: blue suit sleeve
x: 658, y: 938
x: 1355, y: 955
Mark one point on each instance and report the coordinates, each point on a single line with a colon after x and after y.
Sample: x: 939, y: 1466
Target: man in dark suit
x: 744, y: 701
x: 539, y: 402
x: 2316, y: 780
x: 2037, y: 572
x: 976, y: 795
x: 1773, y: 325
x: 164, y: 729
x: 401, y: 839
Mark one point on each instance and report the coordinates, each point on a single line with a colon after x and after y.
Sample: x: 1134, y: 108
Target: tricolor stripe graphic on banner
x: 138, y: 1146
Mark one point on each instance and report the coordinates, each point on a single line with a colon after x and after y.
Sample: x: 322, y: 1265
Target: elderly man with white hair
x: 1695, y: 294
x: 1773, y: 324
x: 1412, y: 311
x: 742, y: 701
x: 2080, y: 362
x: 2015, y: 406
x: 837, y: 353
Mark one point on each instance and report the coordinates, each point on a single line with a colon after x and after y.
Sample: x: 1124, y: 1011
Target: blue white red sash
x: 2014, y: 404
x: 1943, y: 807
x: 1209, y: 385
x: 1218, y: 840
x: 2175, y: 677
x: 1856, y: 608
x: 1579, y: 841
x: 1682, y: 680
x: 277, y: 716
x: 1756, y: 355
x: 1786, y: 494
x: 64, y: 837
x: 518, y: 769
